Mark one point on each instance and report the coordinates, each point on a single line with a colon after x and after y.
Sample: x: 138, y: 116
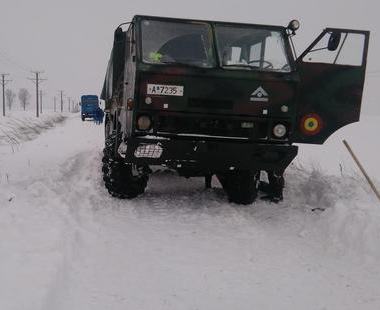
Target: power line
x: 13, y: 62
x: 3, y: 83
x: 374, y: 71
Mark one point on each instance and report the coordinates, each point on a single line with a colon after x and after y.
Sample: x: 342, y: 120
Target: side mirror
x: 334, y: 41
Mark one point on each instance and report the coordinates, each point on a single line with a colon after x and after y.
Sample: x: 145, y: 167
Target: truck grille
x: 210, y: 104
x: 211, y: 126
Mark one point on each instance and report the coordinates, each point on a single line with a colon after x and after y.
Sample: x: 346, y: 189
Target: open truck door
x: 332, y: 72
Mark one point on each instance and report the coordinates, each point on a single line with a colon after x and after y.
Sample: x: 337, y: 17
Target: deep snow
x: 66, y: 244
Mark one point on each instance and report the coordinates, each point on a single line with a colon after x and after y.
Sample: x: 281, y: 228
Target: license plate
x: 164, y: 90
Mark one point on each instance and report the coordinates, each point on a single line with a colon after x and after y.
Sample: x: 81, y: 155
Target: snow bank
x: 347, y: 212
x: 19, y: 127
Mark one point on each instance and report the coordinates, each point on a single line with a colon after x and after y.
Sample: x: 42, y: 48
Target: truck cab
x: 227, y: 99
x: 89, y: 105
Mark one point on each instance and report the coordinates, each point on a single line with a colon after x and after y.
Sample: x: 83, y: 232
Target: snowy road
x: 66, y: 244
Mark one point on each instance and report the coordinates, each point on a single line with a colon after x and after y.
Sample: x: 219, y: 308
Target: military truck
x: 227, y: 99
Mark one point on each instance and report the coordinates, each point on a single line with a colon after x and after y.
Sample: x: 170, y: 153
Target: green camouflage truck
x: 227, y: 99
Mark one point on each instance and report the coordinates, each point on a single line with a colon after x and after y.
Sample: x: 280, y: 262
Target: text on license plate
x: 165, y: 90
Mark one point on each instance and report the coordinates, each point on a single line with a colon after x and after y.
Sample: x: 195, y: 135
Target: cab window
x: 166, y: 42
x: 250, y: 47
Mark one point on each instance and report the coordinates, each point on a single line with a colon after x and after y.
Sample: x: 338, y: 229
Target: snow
x: 66, y: 244
x: 333, y: 156
x: 23, y: 126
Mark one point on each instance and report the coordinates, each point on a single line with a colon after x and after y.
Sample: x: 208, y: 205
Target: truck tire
x: 240, y: 186
x: 119, y: 177
x: 83, y: 118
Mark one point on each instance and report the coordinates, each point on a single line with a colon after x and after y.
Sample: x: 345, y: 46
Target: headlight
x: 144, y: 122
x: 279, y: 131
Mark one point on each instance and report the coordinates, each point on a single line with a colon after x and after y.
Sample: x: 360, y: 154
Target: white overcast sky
x: 71, y: 39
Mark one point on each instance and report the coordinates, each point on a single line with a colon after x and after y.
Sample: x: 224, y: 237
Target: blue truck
x: 89, y: 106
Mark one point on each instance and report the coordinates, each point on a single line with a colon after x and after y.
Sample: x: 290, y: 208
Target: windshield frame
x: 218, y: 64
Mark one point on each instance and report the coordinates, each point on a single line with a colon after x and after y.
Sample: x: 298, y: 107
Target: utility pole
x: 61, y: 91
x: 3, y: 83
x: 37, y: 80
x: 40, y: 101
x: 68, y: 100
x: 55, y: 109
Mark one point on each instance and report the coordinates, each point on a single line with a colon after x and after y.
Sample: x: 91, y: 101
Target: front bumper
x: 211, y: 156
x: 88, y: 114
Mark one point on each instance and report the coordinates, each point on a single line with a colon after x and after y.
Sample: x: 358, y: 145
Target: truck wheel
x: 121, y: 179
x: 241, y: 186
x: 83, y: 118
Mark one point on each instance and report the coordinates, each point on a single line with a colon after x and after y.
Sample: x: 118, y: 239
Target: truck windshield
x: 165, y: 42
x: 251, y: 48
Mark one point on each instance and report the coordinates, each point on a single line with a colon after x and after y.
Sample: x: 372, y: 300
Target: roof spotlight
x: 293, y: 26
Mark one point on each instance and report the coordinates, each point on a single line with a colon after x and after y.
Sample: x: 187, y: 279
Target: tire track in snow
x: 74, y: 187
x: 104, y: 226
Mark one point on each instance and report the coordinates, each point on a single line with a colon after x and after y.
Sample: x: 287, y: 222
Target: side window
x: 130, y: 65
x: 341, y: 48
x: 130, y: 40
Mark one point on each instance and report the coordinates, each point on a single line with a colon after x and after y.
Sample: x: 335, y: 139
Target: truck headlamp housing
x: 144, y: 123
x: 130, y: 104
x: 279, y: 131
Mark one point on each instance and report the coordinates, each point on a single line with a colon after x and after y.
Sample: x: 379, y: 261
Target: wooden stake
x: 362, y: 169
